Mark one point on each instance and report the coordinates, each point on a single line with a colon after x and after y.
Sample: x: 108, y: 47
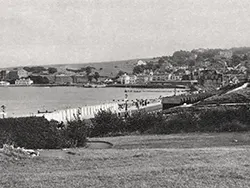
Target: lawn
x: 180, y: 160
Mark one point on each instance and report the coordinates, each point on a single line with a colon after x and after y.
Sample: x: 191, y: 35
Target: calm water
x: 28, y: 100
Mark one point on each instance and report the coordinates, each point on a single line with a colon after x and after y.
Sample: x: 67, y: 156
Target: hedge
x: 39, y: 133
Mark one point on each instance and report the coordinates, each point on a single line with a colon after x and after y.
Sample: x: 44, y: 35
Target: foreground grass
x: 182, y: 160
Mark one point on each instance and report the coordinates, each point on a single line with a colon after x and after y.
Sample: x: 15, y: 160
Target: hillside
x: 109, y: 68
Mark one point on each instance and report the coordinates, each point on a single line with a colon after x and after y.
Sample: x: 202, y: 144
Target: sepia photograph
x: 124, y: 93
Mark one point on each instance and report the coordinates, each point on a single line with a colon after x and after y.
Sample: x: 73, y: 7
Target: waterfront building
x: 4, y: 83
x: 144, y: 78
x: 23, y: 81
x: 3, y: 74
x: 165, y: 77
x: 128, y: 79
x: 63, y: 79
x: 80, y: 78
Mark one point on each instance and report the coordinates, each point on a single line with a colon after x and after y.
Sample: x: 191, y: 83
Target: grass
x: 240, y: 96
x: 181, y: 160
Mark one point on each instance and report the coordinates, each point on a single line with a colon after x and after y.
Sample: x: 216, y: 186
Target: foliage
x: 52, y: 70
x: 76, y: 132
x: 219, y: 119
x: 106, y: 123
x: 39, y: 79
x: 142, y: 121
x: 39, y: 133
x: 96, y: 76
x: 35, y: 70
x: 120, y: 73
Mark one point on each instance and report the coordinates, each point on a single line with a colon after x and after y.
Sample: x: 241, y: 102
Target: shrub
x: 142, y: 121
x: 76, y: 133
x: 106, y: 123
x: 39, y: 133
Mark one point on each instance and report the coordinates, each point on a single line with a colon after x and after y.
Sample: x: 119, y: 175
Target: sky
x: 41, y: 32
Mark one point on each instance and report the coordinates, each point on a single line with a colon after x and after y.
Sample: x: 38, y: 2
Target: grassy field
x: 104, y: 68
x: 181, y: 160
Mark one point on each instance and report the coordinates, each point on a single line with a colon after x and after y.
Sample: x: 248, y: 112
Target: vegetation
x: 218, y: 119
x: 39, y: 79
x: 39, y: 133
x: 52, y: 70
x: 35, y: 70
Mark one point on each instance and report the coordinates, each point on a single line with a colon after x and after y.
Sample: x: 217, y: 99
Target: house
x: 210, y: 78
x: 24, y: 81
x: 3, y: 74
x: 144, y: 78
x: 160, y: 77
x: 63, y: 79
x: 80, y: 78
x: 226, y: 54
x: 128, y: 79
x: 4, y: 83
x: 140, y: 62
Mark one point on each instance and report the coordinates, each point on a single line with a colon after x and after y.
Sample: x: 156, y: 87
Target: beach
x: 23, y: 101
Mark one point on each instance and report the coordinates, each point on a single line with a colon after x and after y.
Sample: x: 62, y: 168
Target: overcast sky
x: 39, y: 32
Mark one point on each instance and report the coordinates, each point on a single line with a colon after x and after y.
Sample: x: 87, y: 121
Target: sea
x: 23, y: 101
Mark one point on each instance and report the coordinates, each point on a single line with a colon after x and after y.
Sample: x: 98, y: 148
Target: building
x: 3, y: 74
x: 226, y: 54
x: 4, y: 83
x: 23, y: 81
x: 165, y: 77
x: 63, y: 79
x: 140, y: 62
x: 80, y: 79
x: 144, y: 78
x: 128, y: 79
x: 210, y: 78
x: 22, y: 73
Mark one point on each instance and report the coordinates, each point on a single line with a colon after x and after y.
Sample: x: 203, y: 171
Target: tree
x: 52, y: 70
x: 96, y: 76
x: 120, y: 73
x: 138, y: 69
x: 88, y: 69
x: 90, y: 78
x: 36, y: 70
x: 39, y: 79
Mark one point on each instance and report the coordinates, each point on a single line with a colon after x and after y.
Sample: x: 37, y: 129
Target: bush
x: 106, y: 123
x: 142, y: 121
x: 76, y: 133
x: 39, y: 133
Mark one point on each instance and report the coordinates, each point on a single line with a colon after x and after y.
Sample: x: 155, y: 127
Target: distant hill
x: 110, y: 68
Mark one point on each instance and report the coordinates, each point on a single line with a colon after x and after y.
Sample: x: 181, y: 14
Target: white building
x: 140, y: 62
x: 23, y: 81
x: 128, y: 79
x: 4, y: 83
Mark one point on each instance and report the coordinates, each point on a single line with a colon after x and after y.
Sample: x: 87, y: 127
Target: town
x: 207, y: 68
